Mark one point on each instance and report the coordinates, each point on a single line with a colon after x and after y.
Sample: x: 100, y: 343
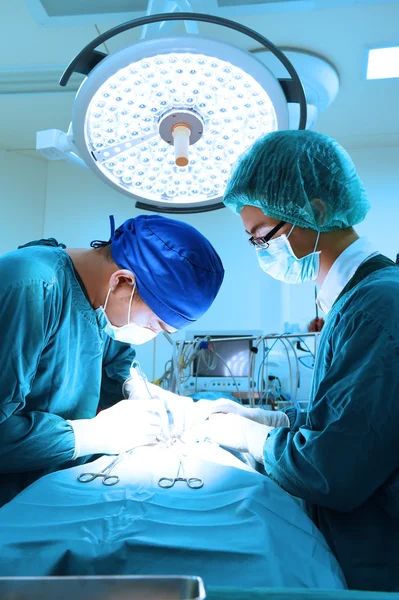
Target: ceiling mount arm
x: 89, y: 57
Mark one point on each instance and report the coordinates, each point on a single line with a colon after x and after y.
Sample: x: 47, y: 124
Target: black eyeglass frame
x: 263, y: 242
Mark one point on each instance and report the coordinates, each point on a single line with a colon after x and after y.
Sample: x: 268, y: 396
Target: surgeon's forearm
x: 35, y: 440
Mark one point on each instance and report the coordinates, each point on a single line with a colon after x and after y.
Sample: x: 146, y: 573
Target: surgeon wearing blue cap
x: 69, y: 322
x: 299, y: 197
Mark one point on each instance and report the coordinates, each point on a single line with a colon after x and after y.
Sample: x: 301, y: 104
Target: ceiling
x: 365, y: 113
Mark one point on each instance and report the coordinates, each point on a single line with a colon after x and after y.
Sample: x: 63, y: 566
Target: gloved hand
x: 121, y: 427
x: 180, y: 407
x: 136, y: 387
x: 181, y: 410
x: 204, y: 408
x: 237, y: 433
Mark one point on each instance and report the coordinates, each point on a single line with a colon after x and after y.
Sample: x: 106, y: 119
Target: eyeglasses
x: 263, y: 242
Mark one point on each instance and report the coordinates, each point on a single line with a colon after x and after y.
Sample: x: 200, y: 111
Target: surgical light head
x: 163, y: 120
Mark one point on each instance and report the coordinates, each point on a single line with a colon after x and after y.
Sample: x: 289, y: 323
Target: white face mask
x: 279, y: 261
x: 130, y: 333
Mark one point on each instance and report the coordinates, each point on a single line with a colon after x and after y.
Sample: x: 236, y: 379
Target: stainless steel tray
x: 102, y: 588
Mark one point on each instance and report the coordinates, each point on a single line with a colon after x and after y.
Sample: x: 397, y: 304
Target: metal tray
x: 102, y: 588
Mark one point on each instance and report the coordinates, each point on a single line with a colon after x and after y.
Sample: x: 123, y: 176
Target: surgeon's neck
x: 94, y: 272
x: 332, y: 244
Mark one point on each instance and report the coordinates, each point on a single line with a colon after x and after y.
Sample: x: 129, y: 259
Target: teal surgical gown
x: 342, y: 457
x: 55, y: 364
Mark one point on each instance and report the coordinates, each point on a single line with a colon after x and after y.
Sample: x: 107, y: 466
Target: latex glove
x: 181, y: 412
x: 137, y: 386
x: 179, y: 407
x: 237, y: 433
x: 204, y: 408
x: 121, y: 427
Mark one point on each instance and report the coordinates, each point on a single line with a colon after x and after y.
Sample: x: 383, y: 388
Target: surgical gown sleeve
x: 117, y: 360
x: 335, y: 459
x: 295, y: 416
x: 29, y: 440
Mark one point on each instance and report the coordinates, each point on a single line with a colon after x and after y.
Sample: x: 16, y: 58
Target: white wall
x: 22, y: 199
x: 379, y: 170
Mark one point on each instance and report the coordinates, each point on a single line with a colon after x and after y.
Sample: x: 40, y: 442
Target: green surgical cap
x: 302, y: 177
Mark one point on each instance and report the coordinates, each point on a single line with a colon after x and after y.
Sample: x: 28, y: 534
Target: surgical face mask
x: 130, y: 333
x: 279, y: 261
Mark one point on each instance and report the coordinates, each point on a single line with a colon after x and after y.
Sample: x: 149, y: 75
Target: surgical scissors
x: 194, y: 483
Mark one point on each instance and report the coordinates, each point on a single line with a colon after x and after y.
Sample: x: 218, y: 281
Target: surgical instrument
x: 105, y: 474
x: 108, y: 479
x: 194, y: 483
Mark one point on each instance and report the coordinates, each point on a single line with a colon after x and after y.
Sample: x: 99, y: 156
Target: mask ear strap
x: 130, y: 304
x: 317, y: 241
x: 291, y: 230
x: 107, y: 298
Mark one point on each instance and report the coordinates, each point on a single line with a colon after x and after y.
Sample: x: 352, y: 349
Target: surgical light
x: 164, y: 120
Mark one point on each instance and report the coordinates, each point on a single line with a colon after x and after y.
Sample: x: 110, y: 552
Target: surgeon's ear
x: 319, y: 210
x: 120, y: 278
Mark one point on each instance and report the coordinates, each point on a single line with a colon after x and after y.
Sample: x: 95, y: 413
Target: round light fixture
x: 164, y: 120
x: 130, y: 111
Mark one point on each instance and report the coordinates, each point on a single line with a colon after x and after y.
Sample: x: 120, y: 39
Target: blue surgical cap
x: 178, y: 272
x: 302, y: 177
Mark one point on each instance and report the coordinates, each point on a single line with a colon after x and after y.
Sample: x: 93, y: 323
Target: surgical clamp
x: 194, y: 483
x: 108, y: 479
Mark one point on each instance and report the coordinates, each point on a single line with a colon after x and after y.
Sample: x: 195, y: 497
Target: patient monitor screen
x: 232, y: 359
